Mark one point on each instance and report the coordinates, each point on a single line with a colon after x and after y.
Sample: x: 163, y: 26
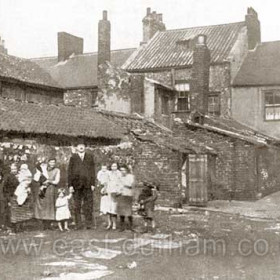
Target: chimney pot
x: 105, y: 15
x: 160, y: 17
x: 148, y: 11
x: 201, y: 39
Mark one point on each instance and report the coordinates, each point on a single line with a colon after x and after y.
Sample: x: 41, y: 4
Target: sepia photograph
x: 139, y: 140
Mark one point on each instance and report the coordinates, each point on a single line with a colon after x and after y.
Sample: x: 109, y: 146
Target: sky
x: 29, y: 27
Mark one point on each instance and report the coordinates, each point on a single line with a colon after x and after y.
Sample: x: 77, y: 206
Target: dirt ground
x: 193, y: 245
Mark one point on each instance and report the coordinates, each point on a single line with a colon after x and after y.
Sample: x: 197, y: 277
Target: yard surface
x: 196, y: 244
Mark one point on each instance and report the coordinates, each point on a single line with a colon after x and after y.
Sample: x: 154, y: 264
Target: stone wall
x: 114, y: 89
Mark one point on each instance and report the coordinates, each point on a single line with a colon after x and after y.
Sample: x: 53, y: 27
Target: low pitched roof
x: 261, y: 66
x: 79, y: 70
x: 234, y: 129
x: 24, y: 70
x: 147, y: 131
x: 162, y: 50
x: 69, y: 121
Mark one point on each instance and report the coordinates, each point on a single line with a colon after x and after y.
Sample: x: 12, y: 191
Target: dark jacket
x: 9, y: 185
x: 81, y: 173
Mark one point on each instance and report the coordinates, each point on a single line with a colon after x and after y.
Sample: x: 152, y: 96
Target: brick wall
x: 81, y: 97
x: 241, y: 170
x: 219, y: 81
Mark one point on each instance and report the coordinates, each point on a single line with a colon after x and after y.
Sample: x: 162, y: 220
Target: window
x: 272, y: 105
x: 164, y: 104
x: 214, y: 106
x: 183, y: 101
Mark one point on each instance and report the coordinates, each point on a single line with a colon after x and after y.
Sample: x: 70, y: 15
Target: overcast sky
x: 30, y: 27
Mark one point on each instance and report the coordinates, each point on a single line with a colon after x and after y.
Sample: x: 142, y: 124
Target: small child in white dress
x: 63, y: 213
x: 23, y: 189
x: 103, y: 178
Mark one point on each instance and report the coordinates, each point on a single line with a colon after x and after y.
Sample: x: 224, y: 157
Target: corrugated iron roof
x: 79, y: 70
x: 162, y: 51
x: 261, y: 66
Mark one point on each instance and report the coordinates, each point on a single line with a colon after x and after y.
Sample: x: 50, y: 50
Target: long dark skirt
x: 21, y: 213
x: 124, y: 205
x: 45, y: 207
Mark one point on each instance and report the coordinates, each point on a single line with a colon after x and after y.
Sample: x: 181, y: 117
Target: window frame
x: 265, y: 106
x: 218, y: 95
x: 187, y: 97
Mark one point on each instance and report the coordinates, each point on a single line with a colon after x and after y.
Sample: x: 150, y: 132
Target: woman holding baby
x: 16, y: 188
x: 48, y: 177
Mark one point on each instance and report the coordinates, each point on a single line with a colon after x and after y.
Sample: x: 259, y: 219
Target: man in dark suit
x: 81, y: 180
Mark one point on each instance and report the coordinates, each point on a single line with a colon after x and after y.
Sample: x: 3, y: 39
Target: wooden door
x: 198, y: 180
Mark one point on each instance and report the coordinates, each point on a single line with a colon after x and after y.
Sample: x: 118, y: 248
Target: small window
x: 214, y: 104
x: 183, y: 100
x: 272, y: 105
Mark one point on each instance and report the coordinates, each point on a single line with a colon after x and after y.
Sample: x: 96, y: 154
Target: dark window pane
x: 269, y: 98
x: 183, y: 104
x: 277, y: 98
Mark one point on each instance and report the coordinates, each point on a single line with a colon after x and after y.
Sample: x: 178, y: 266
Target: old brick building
x: 171, y: 101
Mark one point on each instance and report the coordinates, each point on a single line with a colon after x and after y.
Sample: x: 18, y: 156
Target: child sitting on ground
x: 62, y: 209
x: 23, y: 189
x: 147, y: 199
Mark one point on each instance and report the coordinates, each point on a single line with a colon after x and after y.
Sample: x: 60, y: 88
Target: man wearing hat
x: 81, y: 180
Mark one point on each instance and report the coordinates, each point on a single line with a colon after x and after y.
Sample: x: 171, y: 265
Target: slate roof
x: 79, y: 70
x: 24, y: 70
x: 162, y: 50
x: 33, y: 118
x: 261, y: 66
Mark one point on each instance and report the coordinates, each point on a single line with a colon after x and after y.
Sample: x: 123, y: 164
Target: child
x: 147, y: 199
x: 103, y: 178
x: 25, y: 178
x: 62, y: 209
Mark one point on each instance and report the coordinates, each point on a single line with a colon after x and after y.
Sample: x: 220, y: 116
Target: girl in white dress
x: 103, y: 179
x: 62, y: 209
x: 113, y: 190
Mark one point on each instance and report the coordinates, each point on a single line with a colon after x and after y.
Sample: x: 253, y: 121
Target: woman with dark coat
x: 45, y: 204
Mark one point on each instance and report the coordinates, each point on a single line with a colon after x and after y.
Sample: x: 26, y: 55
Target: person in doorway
x: 81, y: 181
x: 124, y: 206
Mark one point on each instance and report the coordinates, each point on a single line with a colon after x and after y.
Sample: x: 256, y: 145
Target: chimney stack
x: 199, y: 85
x: 152, y: 23
x: 253, y: 28
x: 104, y: 39
x: 68, y: 44
x: 2, y: 46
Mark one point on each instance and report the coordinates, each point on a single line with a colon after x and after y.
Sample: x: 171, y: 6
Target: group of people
x: 47, y: 202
